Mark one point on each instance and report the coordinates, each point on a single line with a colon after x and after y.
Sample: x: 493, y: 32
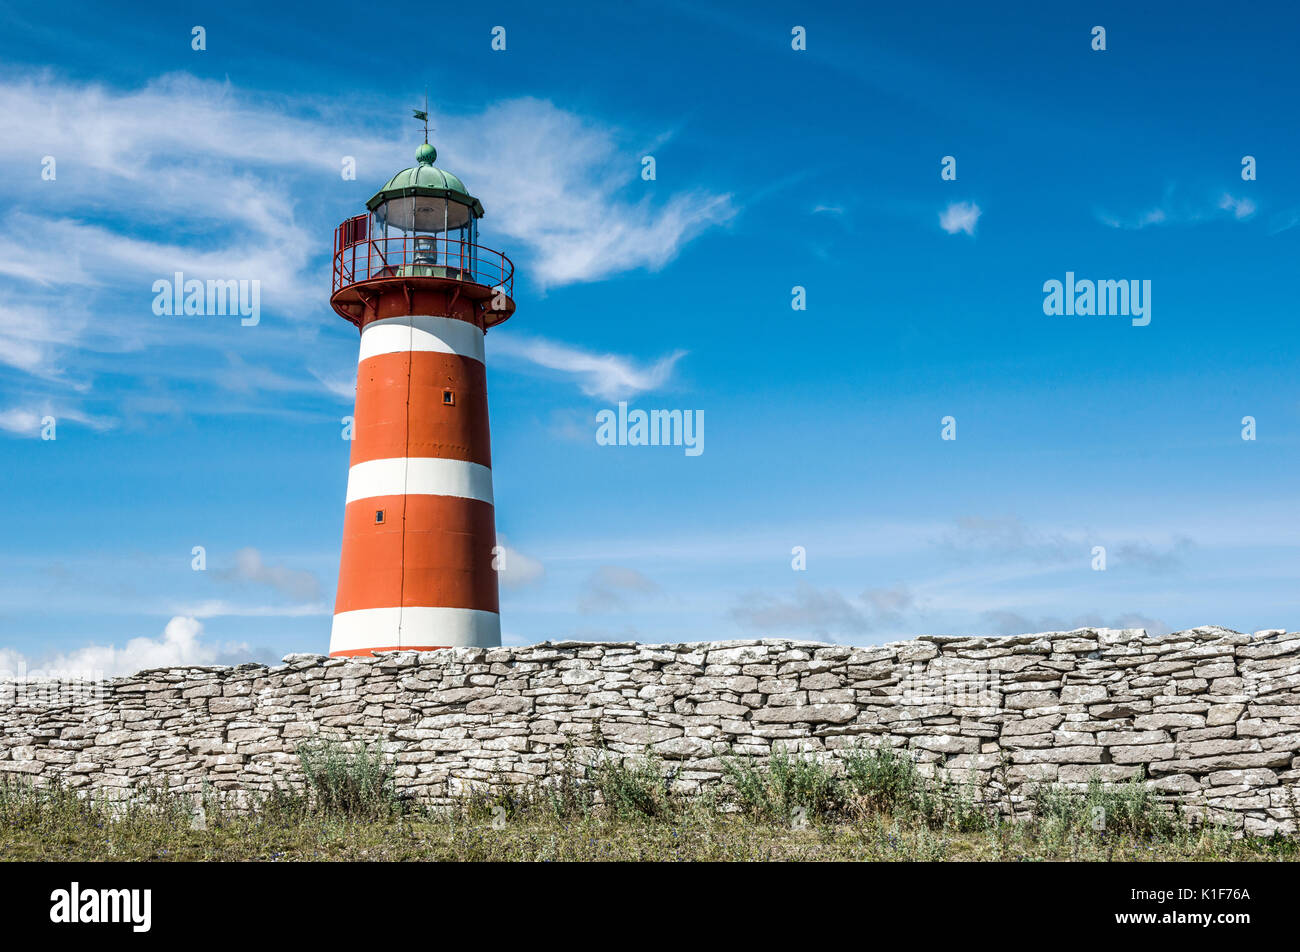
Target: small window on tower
x: 449, y: 397
x: 379, y: 517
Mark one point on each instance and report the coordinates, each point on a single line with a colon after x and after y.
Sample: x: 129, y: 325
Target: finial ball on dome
x: 426, y: 154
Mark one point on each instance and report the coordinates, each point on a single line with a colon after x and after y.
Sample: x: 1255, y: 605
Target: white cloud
x: 959, y: 216
x: 20, y: 420
x: 32, y: 337
x: 12, y: 663
x: 609, y: 376
x: 181, y: 644
x: 563, y: 187
x: 26, y: 420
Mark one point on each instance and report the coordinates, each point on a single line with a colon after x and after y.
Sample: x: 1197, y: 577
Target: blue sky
x: 775, y: 168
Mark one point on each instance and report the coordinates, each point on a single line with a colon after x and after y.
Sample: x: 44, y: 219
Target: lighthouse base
x: 412, y: 628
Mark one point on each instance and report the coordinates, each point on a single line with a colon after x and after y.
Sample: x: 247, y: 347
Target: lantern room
x: 425, y: 201
x: 422, y: 227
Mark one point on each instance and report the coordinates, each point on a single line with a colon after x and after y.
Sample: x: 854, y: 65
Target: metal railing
x: 420, y: 256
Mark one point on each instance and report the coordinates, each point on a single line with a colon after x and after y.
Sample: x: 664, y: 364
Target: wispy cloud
x: 1154, y: 216
x: 217, y: 191
x: 224, y: 608
x: 342, y: 385
x: 27, y: 420
x: 1011, y: 539
x: 1006, y: 536
x: 825, y: 614
x: 1176, y: 209
x: 516, y: 570
x: 1239, y: 207
x: 612, y: 587
x: 960, y: 216
x: 569, y: 190
x: 889, y: 606
x: 1153, y: 557
x: 32, y: 337
x: 608, y: 376
x: 1283, y: 221
x: 250, y: 567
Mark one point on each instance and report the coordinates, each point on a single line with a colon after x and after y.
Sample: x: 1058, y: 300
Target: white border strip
x: 420, y: 476
x: 415, y: 627
x: 444, y: 335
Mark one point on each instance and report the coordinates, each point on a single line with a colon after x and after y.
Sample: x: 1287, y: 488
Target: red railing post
x: 471, y: 262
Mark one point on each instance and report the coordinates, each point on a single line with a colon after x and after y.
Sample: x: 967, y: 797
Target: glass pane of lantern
x: 421, y: 214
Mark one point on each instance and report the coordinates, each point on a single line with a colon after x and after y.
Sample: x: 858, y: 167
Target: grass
x: 348, y: 779
x: 1128, y: 808
x: 867, y: 782
x: 599, y: 805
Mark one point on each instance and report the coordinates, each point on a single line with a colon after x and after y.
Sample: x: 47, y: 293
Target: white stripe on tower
x: 446, y: 335
x: 420, y: 476
x: 421, y: 627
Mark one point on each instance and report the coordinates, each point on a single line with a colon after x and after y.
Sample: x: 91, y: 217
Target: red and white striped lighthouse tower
x: 417, y: 568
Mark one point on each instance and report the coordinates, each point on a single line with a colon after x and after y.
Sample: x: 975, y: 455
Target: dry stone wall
x: 1208, y: 715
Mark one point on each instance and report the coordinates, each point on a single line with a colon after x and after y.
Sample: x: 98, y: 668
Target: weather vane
x: 423, y: 114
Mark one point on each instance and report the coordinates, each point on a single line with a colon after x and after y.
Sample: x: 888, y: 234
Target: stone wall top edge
x: 1106, y: 638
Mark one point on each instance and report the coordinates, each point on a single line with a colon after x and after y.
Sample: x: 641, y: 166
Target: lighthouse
x: 418, y: 565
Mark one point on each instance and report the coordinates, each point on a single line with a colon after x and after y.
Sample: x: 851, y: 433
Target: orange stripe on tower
x: 430, y: 550
x: 421, y: 422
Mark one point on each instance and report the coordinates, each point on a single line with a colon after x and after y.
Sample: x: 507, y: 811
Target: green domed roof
x: 424, y: 178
